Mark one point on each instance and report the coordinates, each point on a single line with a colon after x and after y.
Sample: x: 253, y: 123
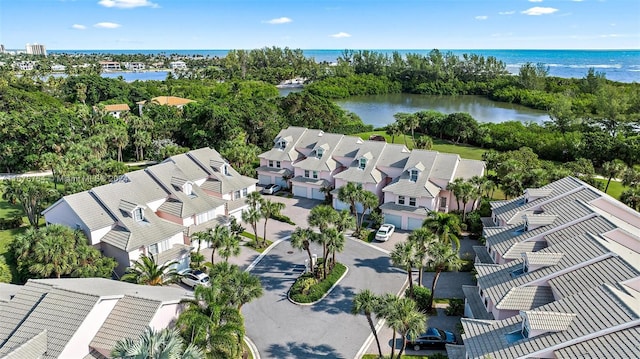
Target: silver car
x: 193, y: 278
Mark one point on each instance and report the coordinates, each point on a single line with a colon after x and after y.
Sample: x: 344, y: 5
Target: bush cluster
x: 421, y: 296
x: 455, y: 308
x: 11, y: 223
x: 302, y: 291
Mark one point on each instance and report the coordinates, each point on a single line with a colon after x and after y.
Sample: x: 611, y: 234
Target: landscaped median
x: 308, y: 290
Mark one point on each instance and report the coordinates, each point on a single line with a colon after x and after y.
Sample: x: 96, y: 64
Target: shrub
x: 421, y: 296
x: 282, y: 218
x: 455, y: 308
x: 474, y: 223
x: 11, y: 223
x: 314, y: 292
x: 376, y: 218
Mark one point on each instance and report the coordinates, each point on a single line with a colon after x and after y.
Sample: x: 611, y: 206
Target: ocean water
x: 617, y: 65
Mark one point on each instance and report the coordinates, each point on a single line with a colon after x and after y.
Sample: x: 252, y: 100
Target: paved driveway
x: 281, y: 329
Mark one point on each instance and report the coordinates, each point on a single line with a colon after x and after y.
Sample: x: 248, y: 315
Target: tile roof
x: 291, y: 135
x: 171, y: 100
x: 117, y: 107
x: 594, y: 311
x: 478, y: 310
x: 91, y: 212
x: 469, y: 168
x: 531, y: 297
x: 622, y: 344
x: 542, y: 258
x: 482, y: 254
x: 548, y: 321
x: 34, y: 348
x: 313, y: 140
x: 228, y: 183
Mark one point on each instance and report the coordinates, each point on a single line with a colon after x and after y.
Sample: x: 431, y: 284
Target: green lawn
x: 615, y: 188
x: 8, y: 210
x: 465, y: 151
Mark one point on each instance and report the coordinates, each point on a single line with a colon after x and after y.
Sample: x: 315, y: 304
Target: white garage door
x: 264, y: 179
x: 414, y: 223
x: 316, y: 193
x: 339, y: 205
x: 281, y: 181
x: 393, y: 219
x: 299, y: 191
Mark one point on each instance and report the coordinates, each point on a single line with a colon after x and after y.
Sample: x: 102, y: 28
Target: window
x: 188, y: 189
x: 306, y: 173
x: 138, y: 214
x: 315, y: 174
x: 270, y: 163
x: 277, y: 164
x: 412, y: 201
x: 443, y: 202
x: 363, y: 163
x: 225, y: 170
x: 401, y: 200
x: 413, y: 175
x: 153, y: 249
x: 244, y: 192
x: 237, y: 195
x: 281, y: 144
x: 319, y: 152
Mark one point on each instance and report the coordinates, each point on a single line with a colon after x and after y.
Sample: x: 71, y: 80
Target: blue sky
x: 321, y: 24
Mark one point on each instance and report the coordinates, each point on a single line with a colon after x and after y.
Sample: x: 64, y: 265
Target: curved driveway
x: 281, y: 329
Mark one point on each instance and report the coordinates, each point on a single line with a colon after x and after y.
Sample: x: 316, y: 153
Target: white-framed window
x: 202, y: 217
x: 277, y: 164
x: 413, y: 175
x: 282, y: 144
x: 412, y: 201
x: 315, y: 174
x: 188, y: 189
x: 306, y: 173
x: 225, y: 169
x: 244, y: 192
x: 319, y: 152
x: 153, y: 249
x: 237, y: 195
x: 138, y: 214
x: 362, y: 163
x: 270, y: 163
x: 443, y: 202
x: 401, y: 200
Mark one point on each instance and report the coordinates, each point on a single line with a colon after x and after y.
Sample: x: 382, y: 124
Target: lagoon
x: 378, y: 110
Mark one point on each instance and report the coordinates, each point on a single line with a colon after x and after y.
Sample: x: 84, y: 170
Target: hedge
x: 316, y: 291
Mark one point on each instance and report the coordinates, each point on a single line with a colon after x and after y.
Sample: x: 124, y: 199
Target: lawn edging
x: 346, y: 270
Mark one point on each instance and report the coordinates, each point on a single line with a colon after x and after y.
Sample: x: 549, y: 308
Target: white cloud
x: 481, y: 17
x: 127, y: 4
x: 506, y: 12
x: 78, y: 26
x: 340, y: 35
x: 278, y: 21
x: 107, y: 25
x: 535, y: 11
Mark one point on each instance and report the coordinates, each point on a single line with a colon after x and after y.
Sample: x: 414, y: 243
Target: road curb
x: 252, y: 347
x: 370, y: 245
x: 264, y: 253
x: 325, y: 294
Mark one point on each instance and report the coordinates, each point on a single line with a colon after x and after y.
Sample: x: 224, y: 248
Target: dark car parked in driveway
x: 432, y: 338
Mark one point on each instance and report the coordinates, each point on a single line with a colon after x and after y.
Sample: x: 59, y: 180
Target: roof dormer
x: 220, y: 167
x: 537, y: 260
x: 320, y: 150
x: 531, y: 194
x: 533, y: 220
x: 535, y: 322
x: 132, y: 210
x: 281, y: 142
x: 183, y: 185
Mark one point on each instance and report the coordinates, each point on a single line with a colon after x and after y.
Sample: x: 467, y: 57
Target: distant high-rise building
x: 36, y: 49
x: 1, y: 49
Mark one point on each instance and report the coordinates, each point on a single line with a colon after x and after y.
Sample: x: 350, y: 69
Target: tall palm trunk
x: 213, y: 251
x: 375, y: 333
x: 420, y: 275
x: 402, y: 346
x: 264, y: 237
x: 393, y: 345
x: 433, y: 286
x: 410, y: 275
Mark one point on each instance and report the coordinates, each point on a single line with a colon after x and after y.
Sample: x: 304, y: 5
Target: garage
x: 393, y: 219
x: 264, y: 179
x: 414, y: 223
x: 316, y: 193
x: 339, y: 205
x: 281, y: 181
x: 300, y: 191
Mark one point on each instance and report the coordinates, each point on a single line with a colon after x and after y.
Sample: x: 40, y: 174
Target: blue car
x: 432, y: 338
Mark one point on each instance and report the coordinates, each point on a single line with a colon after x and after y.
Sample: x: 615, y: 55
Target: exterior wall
x: 97, y: 235
x: 119, y: 255
x: 170, y: 218
x: 78, y: 345
x: 504, y: 314
x: 63, y: 214
x: 154, y: 205
x: 166, y: 315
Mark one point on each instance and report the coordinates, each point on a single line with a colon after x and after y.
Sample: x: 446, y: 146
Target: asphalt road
x: 281, y: 329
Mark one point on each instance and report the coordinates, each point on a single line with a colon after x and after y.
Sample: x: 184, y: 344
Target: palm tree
x: 245, y: 287
x: 446, y: 227
x: 441, y: 257
x: 252, y: 216
x: 344, y: 221
x: 200, y: 237
x: 217, y: 238
x: 165, y: 343
x: 212, y: 324
x: 31, y: 194
x: 404, y: 255
x: 455, y: 188
x: 367, y: 303
x: 230, y: 245
x: 54, y: 253
x: 322, y: 217
x: 631, y: 197
x: 612, y: 169
x: 467, y: 192
x: 301, y: 239
x: 404, y: 318
x: 421, y: 238
x: 268, y: 210
x: 335, y: 243
x: 393, y: 130
x: 146, y: 271
x: 401, y: 120
x: 369, y: 201
x: 350, y: 193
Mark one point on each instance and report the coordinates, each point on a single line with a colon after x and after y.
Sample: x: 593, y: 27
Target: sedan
x: 432, y: 338
x: 193, y: 278
x: 384, y: 233
x: 271, y: 189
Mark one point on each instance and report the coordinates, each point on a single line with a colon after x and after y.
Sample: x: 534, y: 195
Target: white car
x: 193, y: 278
x: 384, y: 233
x: 271, y: 189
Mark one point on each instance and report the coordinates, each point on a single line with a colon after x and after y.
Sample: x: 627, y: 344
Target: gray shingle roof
x: 291, y: 134
x: 595, y: 311
x: 311, y: 140
x: 482, y: 254
x: 469, y: 168
x: 548, y: 321
x: 478, y: 310
x: 623, y: 344
x: 531, y: 297
x: 90, y: 211
x: 127, y: 319
x: 34, y: 348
